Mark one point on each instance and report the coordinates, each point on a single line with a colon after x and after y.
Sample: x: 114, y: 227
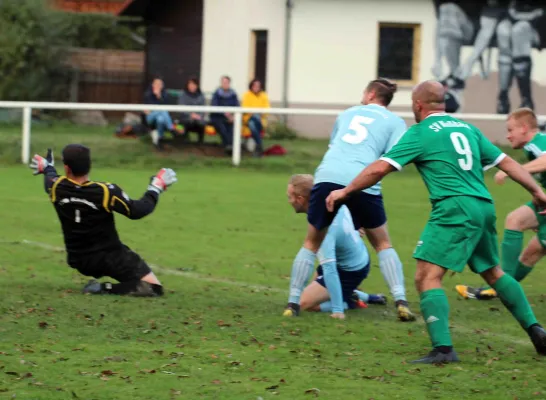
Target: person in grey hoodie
x: 224, y: 96
x: 193, y: 121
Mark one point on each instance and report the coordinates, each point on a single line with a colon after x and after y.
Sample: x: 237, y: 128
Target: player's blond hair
x: 525, y: 115
x: 302, y: 184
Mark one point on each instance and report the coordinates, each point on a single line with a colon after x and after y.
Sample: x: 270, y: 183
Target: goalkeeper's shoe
x: 468, y: 292
x: 538, y: 337
x: 93, y: 287
x: 291, y: 310
x: 404, y: 312
x: 437, y: 357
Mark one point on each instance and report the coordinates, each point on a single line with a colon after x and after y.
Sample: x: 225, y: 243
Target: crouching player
x: 85, y: 209
x: 345, y: 261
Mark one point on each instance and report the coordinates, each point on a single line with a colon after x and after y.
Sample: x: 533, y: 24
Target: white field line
x: 193, y: 275
x: 157, y: 268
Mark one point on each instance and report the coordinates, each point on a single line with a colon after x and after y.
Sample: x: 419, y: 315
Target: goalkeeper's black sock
x: 133, y: 288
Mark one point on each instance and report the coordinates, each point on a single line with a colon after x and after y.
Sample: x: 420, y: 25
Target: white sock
x: 391, y: 268
x: 302, y: 269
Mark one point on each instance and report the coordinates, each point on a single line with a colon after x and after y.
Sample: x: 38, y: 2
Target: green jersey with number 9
x: 451, y: 156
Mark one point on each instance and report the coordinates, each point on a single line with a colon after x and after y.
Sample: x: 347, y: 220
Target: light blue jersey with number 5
x: 361, y: 135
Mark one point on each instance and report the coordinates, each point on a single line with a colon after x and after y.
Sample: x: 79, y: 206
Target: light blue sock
x: 302, y: 268
x: 362, y: 296
x: 327, y: 306
x: 391, y: 268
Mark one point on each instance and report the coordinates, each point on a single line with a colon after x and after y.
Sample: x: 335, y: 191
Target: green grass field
x: 222, y: 241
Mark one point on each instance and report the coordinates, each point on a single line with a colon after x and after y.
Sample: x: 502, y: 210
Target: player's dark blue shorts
x: 350, y: 280
x: 366, y: 209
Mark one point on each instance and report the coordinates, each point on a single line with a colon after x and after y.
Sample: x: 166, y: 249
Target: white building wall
x: 334, y: 53
x: 335, y: 46
x: 227, y: 30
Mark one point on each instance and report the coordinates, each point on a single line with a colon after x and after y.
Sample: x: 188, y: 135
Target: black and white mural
x: 514, y: 28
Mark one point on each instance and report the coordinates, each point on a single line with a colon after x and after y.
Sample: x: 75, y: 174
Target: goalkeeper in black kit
x: 86, y: 211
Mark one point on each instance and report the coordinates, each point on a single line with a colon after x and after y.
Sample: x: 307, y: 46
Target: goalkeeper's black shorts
x: 122, y: 264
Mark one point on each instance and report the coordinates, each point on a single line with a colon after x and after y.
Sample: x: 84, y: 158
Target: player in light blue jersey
x: 361, y: 135
x: 345, y: 260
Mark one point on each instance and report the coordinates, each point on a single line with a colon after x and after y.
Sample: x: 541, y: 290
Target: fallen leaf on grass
x: 115, y: 359
x: 272, y: 387
x: 43, y: 324
x: 223, y: 324
x: 313, y: 391
x: 216, y: 382
x: 147, y: 371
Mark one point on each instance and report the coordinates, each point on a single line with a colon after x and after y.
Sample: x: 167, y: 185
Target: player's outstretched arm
x: 121, y: 203
x: 536, y: 166
x: 367, y: 178
x: 46, y: 166
x: 520, y: 175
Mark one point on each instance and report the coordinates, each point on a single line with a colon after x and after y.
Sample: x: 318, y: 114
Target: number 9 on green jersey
x: 451, y: 157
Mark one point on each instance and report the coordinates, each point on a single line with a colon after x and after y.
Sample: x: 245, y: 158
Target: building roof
x: 91, y: 6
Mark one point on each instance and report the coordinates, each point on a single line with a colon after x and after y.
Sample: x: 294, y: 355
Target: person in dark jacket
x: 192, y: 96
x: 224, y: 96
x: 159, y: 121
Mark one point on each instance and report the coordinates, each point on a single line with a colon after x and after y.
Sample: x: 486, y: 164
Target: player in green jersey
x: 523, y: 133
x: 450, y: 156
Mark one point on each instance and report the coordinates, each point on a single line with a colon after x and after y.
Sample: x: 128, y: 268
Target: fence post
x: 237, y: 133
x: 25, y: 141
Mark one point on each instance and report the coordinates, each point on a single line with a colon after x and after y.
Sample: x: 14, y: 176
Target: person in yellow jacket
x: 255, y: 97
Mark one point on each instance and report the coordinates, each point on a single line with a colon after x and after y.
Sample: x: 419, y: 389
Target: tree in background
x: 32, y: 43
x: 102, y: 31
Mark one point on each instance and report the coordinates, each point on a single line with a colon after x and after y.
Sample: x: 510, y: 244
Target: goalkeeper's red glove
x: 39, y: 163
x: 162, y: 180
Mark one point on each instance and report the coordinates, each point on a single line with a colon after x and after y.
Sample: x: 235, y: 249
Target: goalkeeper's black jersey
x: 86, y: 212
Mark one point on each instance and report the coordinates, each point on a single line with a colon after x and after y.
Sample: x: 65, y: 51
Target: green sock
x: 435, y: 310
x: 512, y: 244
x: 522, y: 272
x: 513, y: 298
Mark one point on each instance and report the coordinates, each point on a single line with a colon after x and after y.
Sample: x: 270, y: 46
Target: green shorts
x: 541, y: 233
x: 461, y: 230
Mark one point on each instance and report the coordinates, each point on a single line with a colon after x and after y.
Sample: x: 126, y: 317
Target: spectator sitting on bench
x: 158, y: 121
x: 192, y: 121
x: 255, y: 97
x: 224, y: 96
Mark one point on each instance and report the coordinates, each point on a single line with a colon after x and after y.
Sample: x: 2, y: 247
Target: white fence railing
x: 237, y: 112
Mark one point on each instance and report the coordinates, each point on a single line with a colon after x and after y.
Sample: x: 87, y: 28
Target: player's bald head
x: 427, y: 98
x: 431, y: 93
